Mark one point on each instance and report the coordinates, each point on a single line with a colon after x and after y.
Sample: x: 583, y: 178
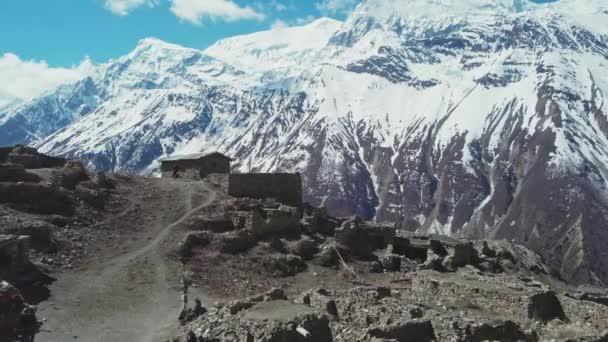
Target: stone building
x: 285, y: 188
x: 195, y: 166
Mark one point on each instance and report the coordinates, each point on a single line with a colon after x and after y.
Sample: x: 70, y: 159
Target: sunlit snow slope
x: 463, y: 117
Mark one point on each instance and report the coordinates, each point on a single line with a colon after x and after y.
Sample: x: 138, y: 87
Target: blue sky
x: 63, y: 32
x: 44, y: 43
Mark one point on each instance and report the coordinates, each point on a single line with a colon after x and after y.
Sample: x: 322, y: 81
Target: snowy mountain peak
x: 434, y: 8
x: 154, y: 46
x: 279, y: 48
x: 439, y: 8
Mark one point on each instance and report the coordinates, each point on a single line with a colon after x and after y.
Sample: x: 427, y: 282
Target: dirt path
x: 135, y: 294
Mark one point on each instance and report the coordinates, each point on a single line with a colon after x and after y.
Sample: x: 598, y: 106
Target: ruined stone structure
x: 14, y: 254
x: 286, y: 188
x: 195, y: 166
x: 28, y: 157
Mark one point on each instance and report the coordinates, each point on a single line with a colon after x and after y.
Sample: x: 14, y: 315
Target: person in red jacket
x: 11, y: 305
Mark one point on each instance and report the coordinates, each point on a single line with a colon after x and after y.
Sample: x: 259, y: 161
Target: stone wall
x: 14, y: 254
x: 286, y: 188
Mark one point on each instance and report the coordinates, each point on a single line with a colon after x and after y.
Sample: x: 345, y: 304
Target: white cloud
x: 23, y: 80
x: 124, y: 7
x: 279, y: 24
x: 336, y: 6
x: 194, y: 11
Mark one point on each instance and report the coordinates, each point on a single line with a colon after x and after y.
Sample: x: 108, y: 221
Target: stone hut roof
x: 195, y: 156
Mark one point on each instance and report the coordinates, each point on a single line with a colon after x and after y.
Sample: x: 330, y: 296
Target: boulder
x: 306, y: 248
x: 235, y: 242
x: 283, y: 221
x: 317, y: 221
x: 391, y: 262
x: 93, y: 198
x: 438, y: 248
x: 190, y: 314
x: 328, y: 255
x: 487, y: 251
x: 284, y: 265
x: 353, y: 235
x: 415, y: 330
x: 70, y: 175
x: 321, y: 300
x: 282, y: 321
x: 101, y: 181
x: 545, y: 307
x: 503, y: 331
x: 433, y: 262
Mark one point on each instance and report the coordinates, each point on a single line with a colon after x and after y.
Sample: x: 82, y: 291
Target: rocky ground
x: 333, y: 279
x: 122, y: 258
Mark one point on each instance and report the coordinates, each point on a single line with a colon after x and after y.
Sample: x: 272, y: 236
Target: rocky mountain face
x: 471, y: 118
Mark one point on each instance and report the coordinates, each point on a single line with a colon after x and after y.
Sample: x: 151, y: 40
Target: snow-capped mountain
x: 463, y: 117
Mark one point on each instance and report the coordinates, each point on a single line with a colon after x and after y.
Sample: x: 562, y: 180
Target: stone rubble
x: 428, y: 287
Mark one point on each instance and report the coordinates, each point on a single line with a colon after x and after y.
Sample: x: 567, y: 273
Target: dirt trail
x: 135, y: 294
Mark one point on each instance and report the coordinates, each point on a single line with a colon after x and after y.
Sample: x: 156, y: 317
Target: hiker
x: 28, y: 325
x: 11, y: 305
x: 175, y: 172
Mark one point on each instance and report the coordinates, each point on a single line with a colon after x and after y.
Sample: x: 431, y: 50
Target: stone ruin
x: 28, y: 157
x: 404, y: 251
x: 236, y: 225
x: 14, y: 255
